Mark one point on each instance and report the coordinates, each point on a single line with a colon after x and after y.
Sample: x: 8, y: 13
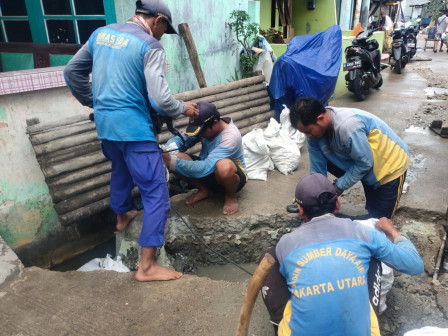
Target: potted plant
x: 245, y: 31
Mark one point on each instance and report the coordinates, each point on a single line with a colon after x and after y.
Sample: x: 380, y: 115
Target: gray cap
x: 156, y: 8
x: 311, y: 187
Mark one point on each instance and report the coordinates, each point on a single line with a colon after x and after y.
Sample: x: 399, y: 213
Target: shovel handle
x: 253, y: 289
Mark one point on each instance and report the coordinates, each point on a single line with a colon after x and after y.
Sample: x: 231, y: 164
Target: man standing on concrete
x: 354, y: 145
x: 127, y: 63
x: 220, y: 166
x: 325, y: 263
x: 442, y: 23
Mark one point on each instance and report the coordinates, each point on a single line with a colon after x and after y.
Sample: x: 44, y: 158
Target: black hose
x: 203, y: 243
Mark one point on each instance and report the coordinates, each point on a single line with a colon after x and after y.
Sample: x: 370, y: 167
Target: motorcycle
x: 410, y: 35
x: 399, y: 56
x: 363, y: 63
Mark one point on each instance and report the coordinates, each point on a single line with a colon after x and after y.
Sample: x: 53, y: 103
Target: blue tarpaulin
x: 309, y: 68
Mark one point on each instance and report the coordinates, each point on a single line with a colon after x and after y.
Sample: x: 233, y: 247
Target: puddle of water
x: 227, y: 272
x: 416, y: 129
x: 100, y: 251
x: 431, y: 91
x: 434, y: 101
x: 417, y: 162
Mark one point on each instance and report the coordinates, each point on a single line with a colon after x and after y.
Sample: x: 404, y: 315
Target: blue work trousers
x: 382, y: 201
x: 139, y: 162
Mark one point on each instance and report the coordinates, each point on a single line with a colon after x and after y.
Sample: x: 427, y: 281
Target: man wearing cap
x: 325, y: 263
x: 220, y: 166
x: 127, y: 63
x: 354, y: 146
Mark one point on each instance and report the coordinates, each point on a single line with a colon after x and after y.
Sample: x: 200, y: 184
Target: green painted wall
x: 305, y: 21
x: 215, y: 44
x: 265, y: 14
x: 26, y: 209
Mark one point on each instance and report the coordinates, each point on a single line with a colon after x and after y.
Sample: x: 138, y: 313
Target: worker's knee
x: 225, y: 168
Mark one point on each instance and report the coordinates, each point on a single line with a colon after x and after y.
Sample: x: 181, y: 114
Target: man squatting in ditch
x: 220, y: 166
x: 128, y: 67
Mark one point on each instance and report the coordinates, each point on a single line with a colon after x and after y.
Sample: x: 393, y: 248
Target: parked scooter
x: 410, y: 36
x: 363, y: 63
x: 399, y: 55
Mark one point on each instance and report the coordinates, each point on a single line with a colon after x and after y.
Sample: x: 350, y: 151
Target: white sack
x: 107, y: 264
x: 283, y: 151
x: 256, y: 155
x: 387, y: 277
x: 265, y: 65
x: 296, y: 136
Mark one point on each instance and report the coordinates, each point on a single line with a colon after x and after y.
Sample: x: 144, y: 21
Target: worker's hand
x: 166, y: 158
x: 386, y: 225
x: 338, y: 191
x: 191, y: 110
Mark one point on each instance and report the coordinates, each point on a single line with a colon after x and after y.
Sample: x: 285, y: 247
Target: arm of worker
x: 183, y: 144
x: 361, y: 155
x: 159, y: 94
x: 77, y: 76
x: 318, y: 162
x: 201, y: 168
x: 395, y: 250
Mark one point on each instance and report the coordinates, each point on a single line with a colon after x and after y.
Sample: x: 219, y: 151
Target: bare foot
x: 125, y: 218
x: 230, y: 205
x: 156, y: 272
x: 199, y: 195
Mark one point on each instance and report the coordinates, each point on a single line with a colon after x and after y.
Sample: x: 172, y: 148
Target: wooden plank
x: 72, y: 217
x: 80, y: 175
x: 191, y: 48
x: 52, y: 158
x: 66, y: 143
x: 82, y: 200
x: 81, y: 187
x: 51, y: 135
x: 49, y: 48
x: 233, y: 93
x: 58, y: 123
x: 73, y: 165
x: 194, y: 94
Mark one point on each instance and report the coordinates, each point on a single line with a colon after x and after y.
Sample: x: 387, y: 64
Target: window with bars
x: 53, y: 21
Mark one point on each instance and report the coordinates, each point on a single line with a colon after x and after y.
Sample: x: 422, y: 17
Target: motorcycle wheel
x: 398, y: 67
x: 379, y: 83
x: 357, y: 86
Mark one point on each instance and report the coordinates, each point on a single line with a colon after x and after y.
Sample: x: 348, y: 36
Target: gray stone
x: 10, y: 265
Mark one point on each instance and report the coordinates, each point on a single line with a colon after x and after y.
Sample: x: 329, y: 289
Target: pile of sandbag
x: 277, y: 146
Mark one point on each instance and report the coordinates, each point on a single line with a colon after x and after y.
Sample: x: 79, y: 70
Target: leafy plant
x: 235, y: 76
x: 245, y: 31
x: 434, y: 8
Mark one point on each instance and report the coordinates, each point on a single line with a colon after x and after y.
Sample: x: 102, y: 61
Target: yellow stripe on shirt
x: 390, y: 161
